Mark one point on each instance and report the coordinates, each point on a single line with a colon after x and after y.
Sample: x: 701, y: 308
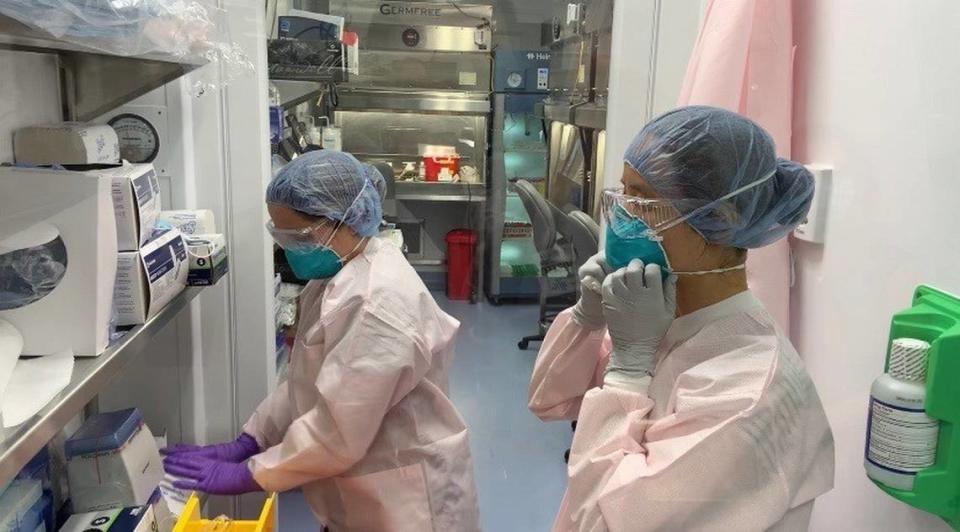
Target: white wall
x: 877, y: 99
x: 29, y: 95
x: 652, y: 42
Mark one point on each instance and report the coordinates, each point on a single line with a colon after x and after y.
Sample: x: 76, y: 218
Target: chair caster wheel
x: 566, y: 456
x: 523, y: 345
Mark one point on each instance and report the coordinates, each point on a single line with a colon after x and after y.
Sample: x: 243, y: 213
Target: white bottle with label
x: 901, y: 438
x: 331, y: 136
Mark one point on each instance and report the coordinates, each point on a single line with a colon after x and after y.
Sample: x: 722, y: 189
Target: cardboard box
x: 112, y: 462
x: 208, y: 259
x: 72, y: 312
x: 136, y: 202
x: 148, y: 279
x: 133, y: 519
x: 68, y: 143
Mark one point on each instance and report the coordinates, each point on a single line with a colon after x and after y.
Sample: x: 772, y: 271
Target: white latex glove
x: 639, y: 307
x: 588, y: 312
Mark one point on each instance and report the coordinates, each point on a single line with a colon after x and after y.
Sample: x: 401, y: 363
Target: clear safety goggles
x: 320, y: 234
x: 620, y: 209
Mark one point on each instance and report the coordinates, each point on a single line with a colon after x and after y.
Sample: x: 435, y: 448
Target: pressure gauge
x: 139, y: 140
x: 515, y: 80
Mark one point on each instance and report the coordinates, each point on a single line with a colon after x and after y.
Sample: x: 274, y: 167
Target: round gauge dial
x: 139, y: 140
x: 514, y: 80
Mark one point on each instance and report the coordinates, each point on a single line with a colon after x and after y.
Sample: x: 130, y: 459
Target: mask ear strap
x: 355, y: 248
x: 712, y: 272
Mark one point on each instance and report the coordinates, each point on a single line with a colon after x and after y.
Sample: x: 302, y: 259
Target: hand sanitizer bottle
x: 901, y: 438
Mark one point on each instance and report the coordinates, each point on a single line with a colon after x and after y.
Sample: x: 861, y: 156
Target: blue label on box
x: 130, y: 518
x: 144, y: 187
x: 165, y: 259
x: 158, y: 263
x: 179, y: 249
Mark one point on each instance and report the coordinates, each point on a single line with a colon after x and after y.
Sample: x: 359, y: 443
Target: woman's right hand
x: 239, y: 450
x: 588, y: 312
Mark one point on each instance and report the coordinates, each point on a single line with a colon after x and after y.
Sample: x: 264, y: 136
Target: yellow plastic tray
x: 190, y: 520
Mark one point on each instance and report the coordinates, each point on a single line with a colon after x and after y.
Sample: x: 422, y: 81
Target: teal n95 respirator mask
x: 634, y: 231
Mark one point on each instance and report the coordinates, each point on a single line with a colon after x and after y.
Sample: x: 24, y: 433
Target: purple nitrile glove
x: 235, y: 451
x: 210, y: 476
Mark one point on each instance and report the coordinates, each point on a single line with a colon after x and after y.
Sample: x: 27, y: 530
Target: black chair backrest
x: 583, y: 233
x: 541, y: 215
x: 387, y: 171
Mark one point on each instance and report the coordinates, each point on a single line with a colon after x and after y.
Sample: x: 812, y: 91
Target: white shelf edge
x: 18, y: 445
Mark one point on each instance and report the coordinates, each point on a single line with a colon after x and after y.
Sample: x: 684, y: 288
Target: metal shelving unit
x: 94, y: 82
x: 90, y: 376
x: 459, y: 192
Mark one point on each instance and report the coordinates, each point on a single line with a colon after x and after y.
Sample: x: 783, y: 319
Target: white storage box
x: 136, y: 202
x: 133, y: 519
x: 69, y: 143
x: 148, y: 279
x: 112, y: 462
x: 60, y: 225
x: 199, y: 222
x: 208, y: 259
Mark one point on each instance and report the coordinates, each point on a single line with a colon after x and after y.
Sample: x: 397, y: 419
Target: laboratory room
x: 481, y: 265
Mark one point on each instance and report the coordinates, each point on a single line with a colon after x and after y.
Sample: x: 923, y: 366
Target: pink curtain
x: 743, y: 62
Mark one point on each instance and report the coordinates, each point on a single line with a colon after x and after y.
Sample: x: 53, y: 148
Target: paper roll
x: 11, y: 345
x: 34, y: 383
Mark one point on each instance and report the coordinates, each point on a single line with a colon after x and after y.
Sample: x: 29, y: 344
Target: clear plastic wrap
x: 28, y: 275
x: 185, y: 30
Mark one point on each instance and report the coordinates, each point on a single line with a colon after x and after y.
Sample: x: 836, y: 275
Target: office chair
x: 557, y: 278
x: 583, y: 234
x: 389, y: 194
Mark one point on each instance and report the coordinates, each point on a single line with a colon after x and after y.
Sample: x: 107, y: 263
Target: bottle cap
x: 908, y: 359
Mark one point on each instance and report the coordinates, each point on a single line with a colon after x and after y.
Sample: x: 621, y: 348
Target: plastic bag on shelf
x: 186, y: 30
x: 29, y: 274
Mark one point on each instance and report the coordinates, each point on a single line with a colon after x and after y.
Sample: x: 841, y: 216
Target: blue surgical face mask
x: 631, y: 238
x: 314, y: 263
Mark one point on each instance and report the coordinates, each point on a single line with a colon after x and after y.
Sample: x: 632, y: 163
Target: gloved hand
x: 210, y: 476
x: 588, y: 312
x: 639, y: 307
x: 235, y: 451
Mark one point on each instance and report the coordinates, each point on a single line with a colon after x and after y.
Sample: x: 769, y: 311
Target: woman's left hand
x: 211, y: 476
x: 638, y: 306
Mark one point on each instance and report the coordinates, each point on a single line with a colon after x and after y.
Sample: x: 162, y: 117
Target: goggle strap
x: 340, y: 223
x: 712, y: 204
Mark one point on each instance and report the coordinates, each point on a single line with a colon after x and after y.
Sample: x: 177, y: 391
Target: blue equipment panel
x: 521, y: 71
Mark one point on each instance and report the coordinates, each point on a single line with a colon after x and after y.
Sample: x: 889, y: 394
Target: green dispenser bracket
x: 935, y: 318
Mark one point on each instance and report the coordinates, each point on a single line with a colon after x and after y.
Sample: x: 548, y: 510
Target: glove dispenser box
x: 112, y: 462
x: 935, y: 318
